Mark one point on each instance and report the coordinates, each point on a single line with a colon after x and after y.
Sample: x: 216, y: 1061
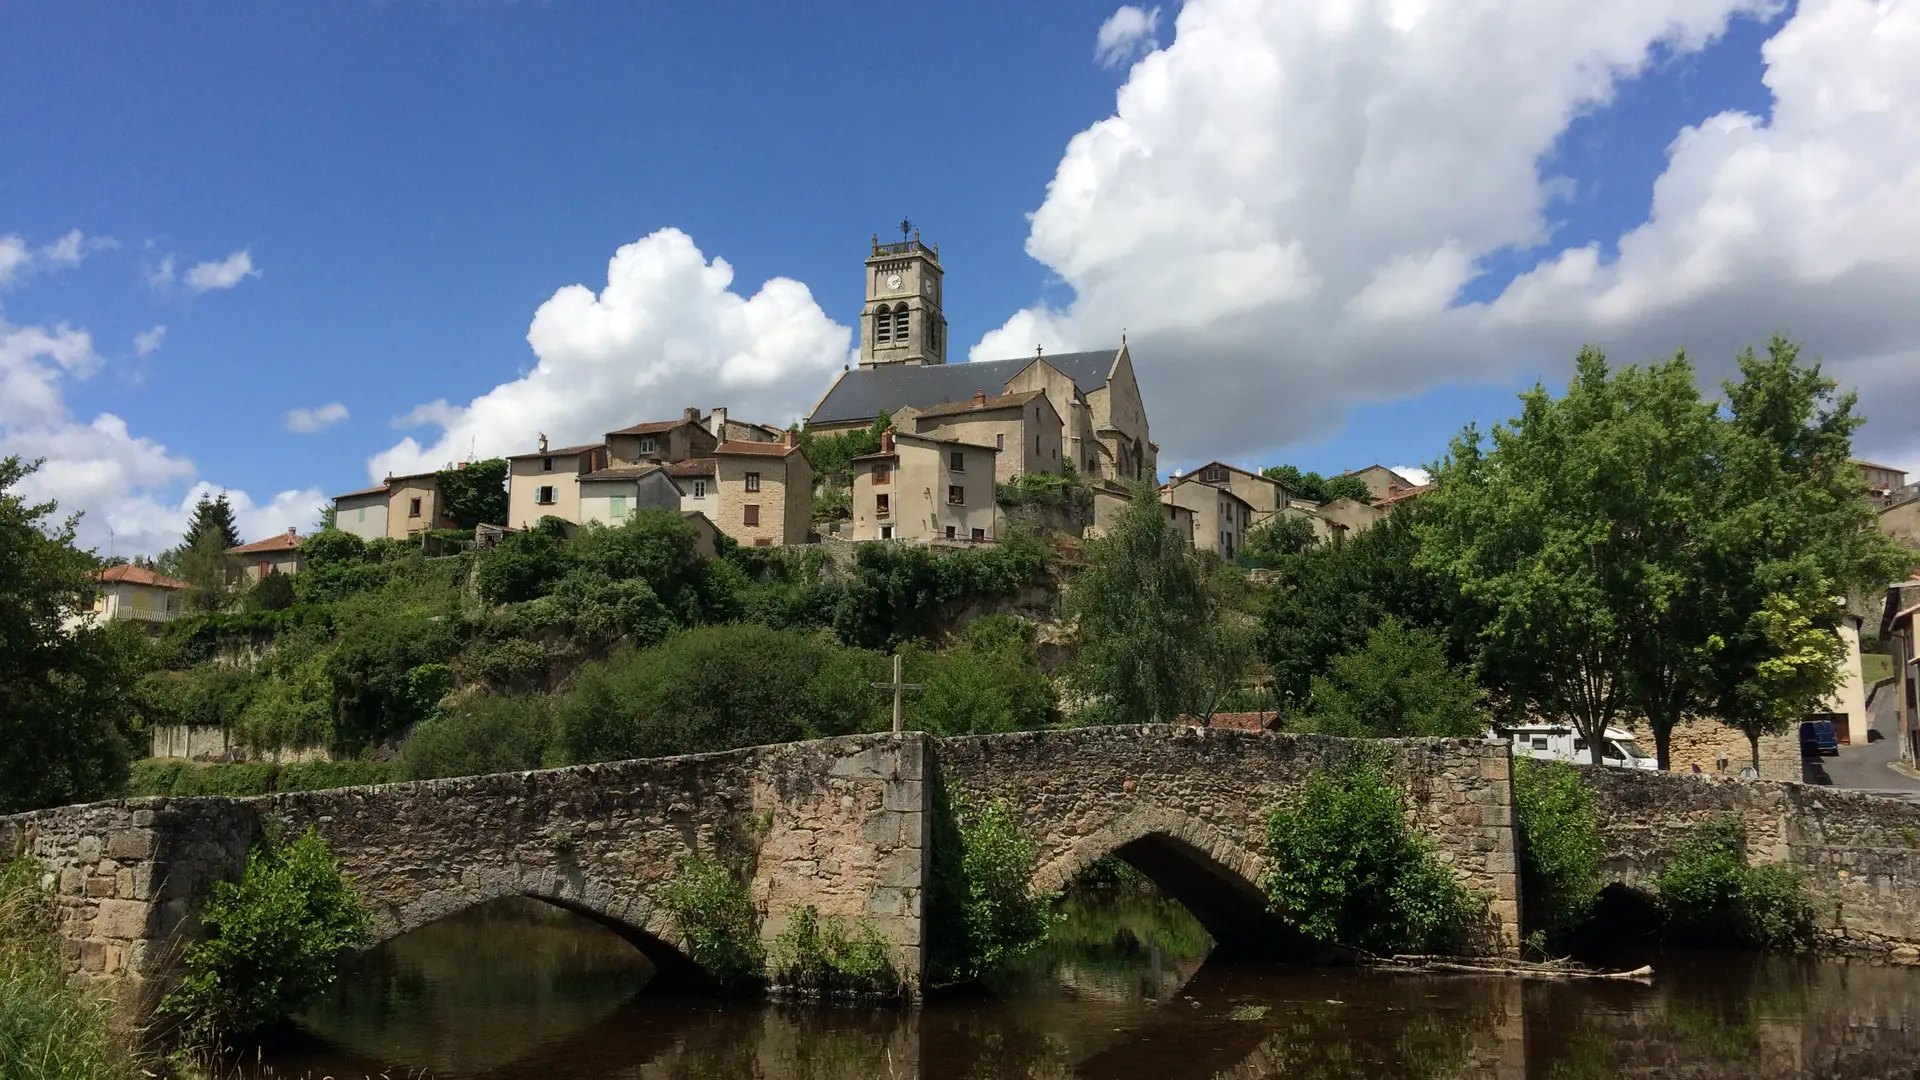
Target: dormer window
x: 546, y: 464
x: 649, y: 445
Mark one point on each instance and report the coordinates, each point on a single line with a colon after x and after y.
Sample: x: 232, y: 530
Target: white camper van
x: 1556, y: 743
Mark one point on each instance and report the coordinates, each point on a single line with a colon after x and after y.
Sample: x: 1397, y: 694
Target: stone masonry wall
x: 1859, y: 854
x: 1083, y: 793
x: 838, y: 824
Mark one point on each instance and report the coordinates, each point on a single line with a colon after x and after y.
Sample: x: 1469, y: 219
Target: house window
x: 979, y: 534
x: 1539, y: 742
x: 751, y: 514
x: 699, y: 489
x: 956, y: 495
x: 753, y: 481
x: 957, y: 461
x: 545, y: 496
x: 763, y: 541
x: 880, y: 507
x: 949, y: 532
x: 886, y: 532
x: 617, y: 506
x: 413, y: 508
x: 546, y: 464
x: 649, y: 445
x: 882, y: 474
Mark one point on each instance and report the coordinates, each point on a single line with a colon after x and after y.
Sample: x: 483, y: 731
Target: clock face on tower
x: 927, y: 286
x: 893, y: 281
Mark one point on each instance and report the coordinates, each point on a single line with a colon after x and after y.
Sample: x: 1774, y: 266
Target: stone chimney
x: 717, y: 423
x: 786, y: 437
x: 543, y: 442
x: 886, y: 441
x: 692, y: 414
x: 979, y: 399
x: 291, y: 532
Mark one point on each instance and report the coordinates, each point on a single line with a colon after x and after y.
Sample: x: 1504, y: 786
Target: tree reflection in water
x: 516, y: 991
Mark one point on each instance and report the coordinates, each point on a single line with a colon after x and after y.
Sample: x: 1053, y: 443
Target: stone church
x: 903, y: 372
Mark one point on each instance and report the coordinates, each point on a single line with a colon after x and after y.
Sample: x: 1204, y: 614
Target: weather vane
x: 905, y: 228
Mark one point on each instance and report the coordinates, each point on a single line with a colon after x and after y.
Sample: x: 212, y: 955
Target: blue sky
x: 412, y: 179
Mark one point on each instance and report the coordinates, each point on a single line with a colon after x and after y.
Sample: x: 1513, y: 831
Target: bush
x: 49, y: 1029
x: 270, y: 943
x: 376, y: 676
x: 717, y: 688
x: 159, y: 777
x: 1348, y: 869
x: 1398, y: 684
x: 818, y: 955
x: 320, y: 775
x: 990, y: 683
x: 903, y: 591
x: 524, y: 565
x: 1712, y: 896
x: 711, y: 907
x: 484, y: 733
x: 1046, y: 491
x: 1558, y: 835
x: 982, y: 910
x: 274, y: 592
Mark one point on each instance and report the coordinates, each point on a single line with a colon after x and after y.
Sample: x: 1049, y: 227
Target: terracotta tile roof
x: 392, y: 480
x: 621, y: 472
x: 763, y: 449
x: 1002, y: 401
x: 140, y: 575
x: 700, y: 466
x: 1872, y: 465
x: 654, y: 427
x: 1404, y: 494
x: 286, y: 541
x: 381, y: 490
x: 559, y: 452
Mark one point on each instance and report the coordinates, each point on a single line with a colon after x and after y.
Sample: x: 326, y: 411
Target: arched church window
x: 882, y: 325
x: 901, y: 325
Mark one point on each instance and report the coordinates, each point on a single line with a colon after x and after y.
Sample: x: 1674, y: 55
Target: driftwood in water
x: 1526, y: 969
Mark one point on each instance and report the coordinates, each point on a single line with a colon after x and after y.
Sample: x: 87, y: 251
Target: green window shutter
x: 617, y: 506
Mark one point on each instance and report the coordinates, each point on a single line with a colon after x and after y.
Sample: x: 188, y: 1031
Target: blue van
x: 1817, y: 739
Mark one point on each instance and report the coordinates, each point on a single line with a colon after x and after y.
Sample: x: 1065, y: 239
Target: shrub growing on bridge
x: 820, y: 956
x: 1348, y: 870
x: 1713, y: 896
x: 1559, y: 841
x: 270, y: 945
x: 982, y: 911
x: 711, y: 907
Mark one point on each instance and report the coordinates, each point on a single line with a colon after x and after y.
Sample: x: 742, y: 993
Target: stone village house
x: 919, y: 488
x: 278, y: 554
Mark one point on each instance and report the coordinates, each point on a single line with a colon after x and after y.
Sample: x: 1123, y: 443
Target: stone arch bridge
x: 844, y: 825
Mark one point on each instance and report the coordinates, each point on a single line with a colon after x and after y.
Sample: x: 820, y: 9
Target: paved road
x: 1863, y: 766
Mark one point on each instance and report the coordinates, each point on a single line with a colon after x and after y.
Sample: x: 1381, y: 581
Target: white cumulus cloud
x: 14, y: 258
x: 160, y: 275
x: 224, y: 274
x: 147, y: 342
x: 666, y: 332
x: 129, y: 488
x: 73, y: 248
x: 1289, y: 198
x: 317, y: 419
x: 1127, y: 32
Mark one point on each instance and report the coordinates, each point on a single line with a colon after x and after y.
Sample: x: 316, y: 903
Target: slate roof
x: 864, y: 393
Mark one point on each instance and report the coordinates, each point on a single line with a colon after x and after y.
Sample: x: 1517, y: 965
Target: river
x: 515, y: 990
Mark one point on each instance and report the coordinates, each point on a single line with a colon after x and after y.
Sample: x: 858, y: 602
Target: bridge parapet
x: 1189, y: 806
x: 838, y: 824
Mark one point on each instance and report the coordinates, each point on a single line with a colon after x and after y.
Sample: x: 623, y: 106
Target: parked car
x: 1818, y: 739
x: 1551, y: 742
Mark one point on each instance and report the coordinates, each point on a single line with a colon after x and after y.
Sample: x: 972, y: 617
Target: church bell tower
x: 901, y: 323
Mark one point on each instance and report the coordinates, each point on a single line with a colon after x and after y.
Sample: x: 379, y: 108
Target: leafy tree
x: 524, y: 565
x: 1399, y: 684
x: 1316, y: 488
x: 832, y: 455
x: 273, y: 592
x: 1279, y: 536
x: 271, y: 943
x: 374, y: 673
x: 475, y: 493
x: 1154, y: 642
x: 1790, y: 535
x: 480, y: 734
x: 67, y: 696
x: 656, y: 546
x: 1572, y: 532
x: 1329, y: 599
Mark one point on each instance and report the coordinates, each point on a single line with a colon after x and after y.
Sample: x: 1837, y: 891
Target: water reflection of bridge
x: 1712, y: 1018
